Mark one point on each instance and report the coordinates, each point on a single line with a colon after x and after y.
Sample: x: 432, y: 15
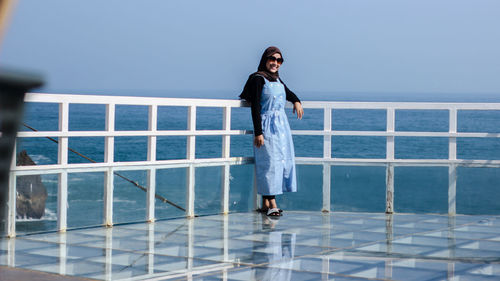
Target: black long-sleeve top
x: 253, y: 89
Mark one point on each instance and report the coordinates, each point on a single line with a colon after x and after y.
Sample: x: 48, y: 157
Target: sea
x: 353, y: 188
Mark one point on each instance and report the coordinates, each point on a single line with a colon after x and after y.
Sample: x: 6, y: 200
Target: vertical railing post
x: 390, y: 129
x: 151, y: 248
x: 190, y: 247
x: 109, y: 182
x: 257, y: 199
x: 389, y: 192
x: 327, y: 155
x: 452, y: 146
x: 63, y: 128
x: 63, y: 250
x: 389, y: 154
x: 452, y: 189
x: 11, y: 206
x: 190, y: 150
x: 62, y: 194
x: 226, y: 146
x: 152, y: 128
x: 108, y: 256
x: 452, y: 169
x: 109, y: 150
x: 11, y: 253
x: 109, y: 145
x: 62, y: 201
x: 150, y: 196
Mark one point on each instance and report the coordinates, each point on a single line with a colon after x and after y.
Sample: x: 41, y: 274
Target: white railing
x: 109, y: 166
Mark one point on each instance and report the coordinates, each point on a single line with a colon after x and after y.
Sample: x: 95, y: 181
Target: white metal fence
x: 109, y: 166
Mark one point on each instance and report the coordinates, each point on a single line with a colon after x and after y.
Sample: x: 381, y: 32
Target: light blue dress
x: 275, y: 160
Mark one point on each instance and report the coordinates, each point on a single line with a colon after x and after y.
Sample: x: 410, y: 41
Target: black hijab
x: 262, y: 70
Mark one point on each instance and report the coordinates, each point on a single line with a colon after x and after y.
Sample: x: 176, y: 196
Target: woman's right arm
x: 256, y: 83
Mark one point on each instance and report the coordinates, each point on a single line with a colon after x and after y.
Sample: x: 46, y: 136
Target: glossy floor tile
x: 251, y: 246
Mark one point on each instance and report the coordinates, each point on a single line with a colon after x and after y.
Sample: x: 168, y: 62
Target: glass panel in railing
x: 359, y: 120
x: 87, y: 117
x: 478, y: 191
x: 40, y: 151
x: 208, y: 182
x: 209, y: 118
x: 358, y: 147
x: 358, y: 189
x: 41, y: 116
x: 36, y: 204
x: 241, y: 146
x: 309, y: 190
x: 86, y: 150
x: 241, y: 118
x: 130, y: 149
x: 421, y: 148
x: 421, y: 190
x: 85, y: 199
x: 308, y: 146
x: 478, y: 148
x: 312, y: 119
x: 36, y: 151
x: 171, y: 147
x: 474, y: 121
x: 422, y: 120
x: 131, y: 117
x: 241, y: 188
x: 172, y: 118
x: 129, y: 200
x: 170, y: 185
x: 208, y: 147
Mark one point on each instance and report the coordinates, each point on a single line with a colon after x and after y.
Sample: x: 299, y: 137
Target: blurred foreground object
x: 5, y: 12
x: 13, y: 86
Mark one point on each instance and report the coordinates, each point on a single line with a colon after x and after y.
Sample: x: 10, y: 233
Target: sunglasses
x: 274, y: 59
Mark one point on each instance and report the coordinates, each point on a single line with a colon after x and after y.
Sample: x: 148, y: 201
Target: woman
x: 273, y: 146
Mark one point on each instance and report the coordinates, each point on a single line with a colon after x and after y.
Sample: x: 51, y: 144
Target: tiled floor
x: 250, y: 246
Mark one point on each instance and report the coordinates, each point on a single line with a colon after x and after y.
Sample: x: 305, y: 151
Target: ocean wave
x: 117, y: 200
x: 40, y: 159
x: 87, y: 200
x: 48, y: 216
x: 49, y: 180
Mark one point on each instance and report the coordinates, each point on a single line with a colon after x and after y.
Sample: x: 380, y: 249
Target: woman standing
x: 273, y: 145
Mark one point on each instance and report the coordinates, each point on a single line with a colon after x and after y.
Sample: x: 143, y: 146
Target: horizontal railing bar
x: 54, y: 134
x: 42, y: 134
x: 129, y: 100
x: 137, y: 165
x: 396, y: 134
x: 126, y: 100
x: 396, y: 161
x: 165, y: 164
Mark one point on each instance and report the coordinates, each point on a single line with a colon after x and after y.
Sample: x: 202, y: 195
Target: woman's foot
x: 274, y: 212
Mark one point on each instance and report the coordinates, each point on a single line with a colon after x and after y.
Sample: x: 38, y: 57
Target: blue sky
x: 379, y: 46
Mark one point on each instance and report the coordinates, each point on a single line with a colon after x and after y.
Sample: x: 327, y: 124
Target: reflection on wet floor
x: 251, y: 246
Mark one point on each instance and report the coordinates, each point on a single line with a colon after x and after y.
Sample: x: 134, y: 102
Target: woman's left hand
x: 297, y: 107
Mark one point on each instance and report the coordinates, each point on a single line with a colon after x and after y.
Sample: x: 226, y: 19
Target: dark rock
x: 31, y: 193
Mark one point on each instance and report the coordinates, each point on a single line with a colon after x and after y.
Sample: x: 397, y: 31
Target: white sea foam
x: 86, y: 200
x: 48, y: 216
x: 40, y: 159
x: 117, y: 200
x: 49, y: 180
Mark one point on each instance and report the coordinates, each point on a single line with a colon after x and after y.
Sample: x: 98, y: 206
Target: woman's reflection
x: 279, y: 251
